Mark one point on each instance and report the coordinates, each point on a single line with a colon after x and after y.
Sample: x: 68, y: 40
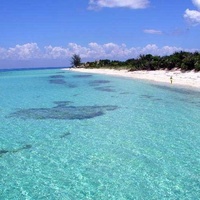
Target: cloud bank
x: 93, y: 51
x: 132, y: 4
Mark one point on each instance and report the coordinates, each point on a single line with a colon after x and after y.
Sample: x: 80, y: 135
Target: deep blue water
x: 67, y: 135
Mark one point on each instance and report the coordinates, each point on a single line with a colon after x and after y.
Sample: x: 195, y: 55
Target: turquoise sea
x: 71, y: 136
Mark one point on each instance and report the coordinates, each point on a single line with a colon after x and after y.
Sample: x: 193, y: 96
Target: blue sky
x: 45, y: 33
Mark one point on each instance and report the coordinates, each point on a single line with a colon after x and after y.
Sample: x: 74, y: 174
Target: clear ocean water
x: 74, y: 136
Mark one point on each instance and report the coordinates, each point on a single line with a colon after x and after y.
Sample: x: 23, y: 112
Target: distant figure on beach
x: 171, y: 79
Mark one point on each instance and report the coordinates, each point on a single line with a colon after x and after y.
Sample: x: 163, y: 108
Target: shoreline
x: 187, y: 79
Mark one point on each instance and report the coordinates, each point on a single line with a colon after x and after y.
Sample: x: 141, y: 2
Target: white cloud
x: 152, y: 31
x: 92, y: 51
x: 111, y: 51
x: 78, y: 49
x: 196, y: 3
x: 23, y: 52
x: 56, y: 52
x: 155, y: 50
x: 132, y: 4
x: 192, y: 16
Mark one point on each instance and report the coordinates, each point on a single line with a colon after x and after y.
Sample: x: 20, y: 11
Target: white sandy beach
x: 190, y: 79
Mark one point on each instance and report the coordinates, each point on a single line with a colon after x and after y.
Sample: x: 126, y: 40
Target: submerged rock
x: 65, y: 135
x: 27, y: 146
x: 3, y: 152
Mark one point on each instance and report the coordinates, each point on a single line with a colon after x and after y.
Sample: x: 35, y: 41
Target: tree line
x: 180, y: 60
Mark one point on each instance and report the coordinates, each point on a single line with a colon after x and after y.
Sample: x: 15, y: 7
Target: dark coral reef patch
x: 82, y: 76
x: 98, y: 82
x: 63, y: 112
x: 59, y: 80
x: 62, y: 103
x: 57, y: 76
x: 105, y: 89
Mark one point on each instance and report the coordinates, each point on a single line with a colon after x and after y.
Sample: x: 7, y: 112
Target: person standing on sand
x: 171, y: 79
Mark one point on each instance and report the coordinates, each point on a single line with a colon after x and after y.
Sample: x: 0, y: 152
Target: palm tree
x: 75, y: 60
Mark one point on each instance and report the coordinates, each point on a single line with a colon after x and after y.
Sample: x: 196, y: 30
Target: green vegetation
x: 181, y: 60
x: 76, y: 60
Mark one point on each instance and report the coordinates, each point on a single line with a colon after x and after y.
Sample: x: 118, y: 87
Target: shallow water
x: 67, y: 135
